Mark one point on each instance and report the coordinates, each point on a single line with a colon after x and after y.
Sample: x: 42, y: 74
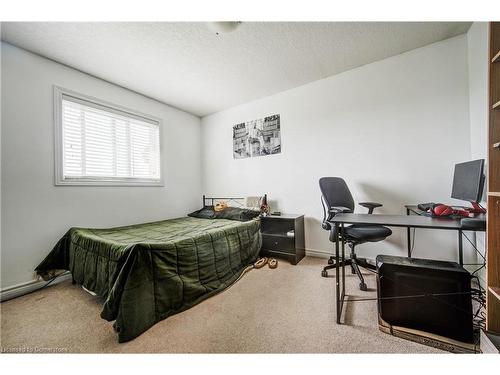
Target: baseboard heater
x: 30, y: 286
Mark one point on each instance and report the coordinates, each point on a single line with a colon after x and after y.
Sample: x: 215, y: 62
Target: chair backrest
x: 336, y: 193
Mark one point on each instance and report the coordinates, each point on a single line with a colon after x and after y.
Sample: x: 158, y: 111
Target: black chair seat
x: 369, y: 233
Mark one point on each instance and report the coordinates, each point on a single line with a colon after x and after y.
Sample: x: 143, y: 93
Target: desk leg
x: 342, y: 296
x: 408, y: 235
x: 337, y: 273
x: 460, y: 249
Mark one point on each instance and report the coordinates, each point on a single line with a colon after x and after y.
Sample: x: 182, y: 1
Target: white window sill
x: 105, y: 182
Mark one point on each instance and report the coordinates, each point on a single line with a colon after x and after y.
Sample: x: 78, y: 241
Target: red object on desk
x: 444, y: 210
x: 476, y: 208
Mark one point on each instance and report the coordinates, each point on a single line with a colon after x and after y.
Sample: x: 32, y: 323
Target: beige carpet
x: 290, y: 309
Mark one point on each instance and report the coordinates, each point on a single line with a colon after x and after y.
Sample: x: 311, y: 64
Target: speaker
x: 425, y: 295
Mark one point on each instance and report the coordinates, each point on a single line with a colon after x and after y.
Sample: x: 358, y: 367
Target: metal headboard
x: 238, y: 201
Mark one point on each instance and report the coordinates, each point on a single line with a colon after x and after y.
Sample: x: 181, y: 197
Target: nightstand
x: 283, y: 237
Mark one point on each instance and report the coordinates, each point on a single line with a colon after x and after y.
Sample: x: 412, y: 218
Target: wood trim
x: 496, y: 58
x: 492, y: 313
x: 495, y: 291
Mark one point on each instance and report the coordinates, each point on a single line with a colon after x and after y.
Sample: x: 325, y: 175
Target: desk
x: 413, y: 209
x: 408, y: 221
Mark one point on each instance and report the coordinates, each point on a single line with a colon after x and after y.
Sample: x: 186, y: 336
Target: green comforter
x: 147, y: 272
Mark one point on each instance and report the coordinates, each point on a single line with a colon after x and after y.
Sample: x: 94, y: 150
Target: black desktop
x: 426, y: 295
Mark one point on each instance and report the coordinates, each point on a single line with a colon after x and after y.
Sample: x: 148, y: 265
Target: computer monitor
x: 468, y: 181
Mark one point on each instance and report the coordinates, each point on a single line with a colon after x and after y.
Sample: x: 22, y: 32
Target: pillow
x: 249, y: 214
x: 236, y: 213
x: 229, y: 213
x: 206, y: 212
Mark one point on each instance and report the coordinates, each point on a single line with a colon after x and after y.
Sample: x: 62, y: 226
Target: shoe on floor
x: 260, y: 263
x: 273, y: 263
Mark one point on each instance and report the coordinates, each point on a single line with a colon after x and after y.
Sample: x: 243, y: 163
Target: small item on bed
x: 220, y: 206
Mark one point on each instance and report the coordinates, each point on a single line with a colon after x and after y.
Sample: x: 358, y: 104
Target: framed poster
x: 257, y: 138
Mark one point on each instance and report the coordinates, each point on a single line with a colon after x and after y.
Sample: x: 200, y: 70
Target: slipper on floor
x: 273, y: 263
x: 260, y: 263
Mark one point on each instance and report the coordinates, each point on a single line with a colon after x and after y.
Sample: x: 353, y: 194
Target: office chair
x: 336, y: 198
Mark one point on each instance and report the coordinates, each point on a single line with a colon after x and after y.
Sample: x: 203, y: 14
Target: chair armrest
x: 370, y: 205
x: 331, y: 213
x: 339, y: 210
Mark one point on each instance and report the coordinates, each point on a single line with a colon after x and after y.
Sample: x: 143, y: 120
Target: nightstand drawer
x: 279, y: 243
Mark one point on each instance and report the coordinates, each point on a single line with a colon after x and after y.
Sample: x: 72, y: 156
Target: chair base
x: 355, y: 263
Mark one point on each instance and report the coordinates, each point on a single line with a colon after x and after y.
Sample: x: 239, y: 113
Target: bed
x: 147, y: 272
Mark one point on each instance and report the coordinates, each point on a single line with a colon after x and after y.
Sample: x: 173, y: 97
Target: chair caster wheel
x: 363, y: 287
x: 324, y: 273
x: 330, y: 261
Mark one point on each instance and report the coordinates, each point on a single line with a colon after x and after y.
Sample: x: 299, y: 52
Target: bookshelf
x: 493, y: 222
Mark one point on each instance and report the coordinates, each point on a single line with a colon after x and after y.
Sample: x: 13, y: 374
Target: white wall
x: 35, y: 213
x: 393, y: 129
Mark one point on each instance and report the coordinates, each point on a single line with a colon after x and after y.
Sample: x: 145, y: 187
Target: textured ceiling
x: 190, y: 67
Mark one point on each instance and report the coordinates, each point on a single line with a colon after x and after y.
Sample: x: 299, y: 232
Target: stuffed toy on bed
x: 220, y: 206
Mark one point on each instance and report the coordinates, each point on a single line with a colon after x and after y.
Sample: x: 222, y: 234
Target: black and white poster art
x: 257, y: 138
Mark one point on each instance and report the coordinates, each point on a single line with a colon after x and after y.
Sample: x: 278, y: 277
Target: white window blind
x: 100, y: 143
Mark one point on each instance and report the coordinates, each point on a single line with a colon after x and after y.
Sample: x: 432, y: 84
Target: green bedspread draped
x: 147, y: 272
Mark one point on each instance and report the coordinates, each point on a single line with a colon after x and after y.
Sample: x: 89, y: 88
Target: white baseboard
x: 318, y: 253
x: 27, y: 287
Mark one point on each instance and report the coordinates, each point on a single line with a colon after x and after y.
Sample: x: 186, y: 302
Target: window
x: 102, y: 144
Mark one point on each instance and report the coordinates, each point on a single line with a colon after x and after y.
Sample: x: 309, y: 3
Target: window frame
x: 59, y: 93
